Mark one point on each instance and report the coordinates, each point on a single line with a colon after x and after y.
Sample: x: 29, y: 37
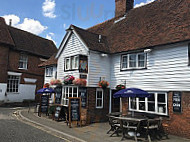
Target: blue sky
x: 50, y: 18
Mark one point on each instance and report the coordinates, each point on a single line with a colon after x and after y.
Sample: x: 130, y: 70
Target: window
x: 49, y: 71
x: 133, y: 61
x: 13, y: 84
x: 72, y: 63
x: 69, y: 91
x: 156, y: 103
x: 99, y: 98
x: 23, y: 61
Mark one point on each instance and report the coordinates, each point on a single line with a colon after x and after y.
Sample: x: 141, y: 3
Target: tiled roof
x: 5, y: 36
x: 49, y: 62
x: 158, y: 23
x: 25, y: 41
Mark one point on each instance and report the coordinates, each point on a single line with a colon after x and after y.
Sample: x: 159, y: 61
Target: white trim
x: 30, y: 80
x: 102, y: 105
x: 69, y: 67
x: 14, y: 73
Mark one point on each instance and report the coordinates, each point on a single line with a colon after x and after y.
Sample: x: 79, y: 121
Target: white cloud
x: 30, y: 25
x: 15, y: 19
x: 50, y: 37
x: 48, y: 8
x: 143, y: 3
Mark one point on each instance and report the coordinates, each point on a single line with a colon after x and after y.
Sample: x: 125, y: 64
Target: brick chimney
x: 123, y: 6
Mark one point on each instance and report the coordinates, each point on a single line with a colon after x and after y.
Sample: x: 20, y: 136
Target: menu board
x: 58, y: 94
x: 177, y: 102
x: 74, y: 109
x: 44, y: 103
x: 57, y: 112
x: 83, y: 95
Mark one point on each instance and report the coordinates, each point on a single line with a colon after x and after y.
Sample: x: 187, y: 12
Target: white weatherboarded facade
x: 167, y: 70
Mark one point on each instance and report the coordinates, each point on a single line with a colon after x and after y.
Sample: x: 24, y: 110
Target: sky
x: 51, y: 18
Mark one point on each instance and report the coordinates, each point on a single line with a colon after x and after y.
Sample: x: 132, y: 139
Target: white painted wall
x: 167, y: 70
x: 3, y: 88
x: 73, y: 47
x: 26, y: 92
x: 98, y: 67
x: 47, y: 79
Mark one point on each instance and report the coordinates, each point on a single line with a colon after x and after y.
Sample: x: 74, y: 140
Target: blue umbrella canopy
x: 45, y: 90
x: 131, y: 92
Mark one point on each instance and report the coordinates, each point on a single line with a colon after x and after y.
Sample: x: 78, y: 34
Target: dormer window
x: 23, y: 61
x: 133, y: 61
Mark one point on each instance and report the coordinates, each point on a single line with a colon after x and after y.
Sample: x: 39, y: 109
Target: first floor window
x: 69, y: 91
x: 72, y: 63
x: 49, y: 71
x: 13, y: 84
x: 23, y: 61
x: 156, y: 103
x: 99, y: 98
x: 133, y: 61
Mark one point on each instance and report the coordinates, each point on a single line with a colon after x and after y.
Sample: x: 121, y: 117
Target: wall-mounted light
x: 104, y: 55
x: 147, y: 50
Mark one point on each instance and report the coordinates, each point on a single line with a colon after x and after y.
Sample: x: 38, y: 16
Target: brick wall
x: 123, y: 6
x: 94, y: 114
x: 179, y: 123
x: 3, y: 63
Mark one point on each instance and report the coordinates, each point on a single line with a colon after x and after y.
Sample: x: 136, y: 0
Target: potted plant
x: 79, y: 82
x: 120, y: 86
x: 68, y: 79
x: 46, y: 85
x: 55, y: 82
x: 103, y: 84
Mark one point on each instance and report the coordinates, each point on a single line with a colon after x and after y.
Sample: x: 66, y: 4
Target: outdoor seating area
x: 136, y: 127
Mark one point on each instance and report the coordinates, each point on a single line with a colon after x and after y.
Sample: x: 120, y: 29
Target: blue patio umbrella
x: 45, y: 90
x: 131, y: 92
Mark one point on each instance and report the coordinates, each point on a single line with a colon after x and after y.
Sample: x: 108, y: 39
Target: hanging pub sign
x: 44, y: 103
x: 74, y: 110
x: 177, y: 102
x: 83, y: 64
x: 83, y: 95
x: 58, y: 94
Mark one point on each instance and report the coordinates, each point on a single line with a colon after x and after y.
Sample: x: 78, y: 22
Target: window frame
x: 156, y: 103
x: 136, y: 61
x: 102, y: 98
x: 23, y: 62
x: 12, y: 88
x: 76, y: 63
x: 49, y: 71
x: 66, y: 92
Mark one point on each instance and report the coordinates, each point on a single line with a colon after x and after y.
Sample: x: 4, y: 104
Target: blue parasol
x: 45, y: 90
x: 131, y: 92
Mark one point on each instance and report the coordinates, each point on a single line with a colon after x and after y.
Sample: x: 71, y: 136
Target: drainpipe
x: 110, y: 104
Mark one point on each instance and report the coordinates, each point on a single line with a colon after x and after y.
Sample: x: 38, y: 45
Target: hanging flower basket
x: 68, y: 79
x: 55, y: 82
x: 120, y: 87
x: 46, y: 85
x: 79, y: 82
x: 103, y: 84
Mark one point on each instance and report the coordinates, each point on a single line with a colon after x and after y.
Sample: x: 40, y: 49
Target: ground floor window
x: 99, y: 98
x: 69, y: 91
x: 156, y: 104
x: 13, y: 84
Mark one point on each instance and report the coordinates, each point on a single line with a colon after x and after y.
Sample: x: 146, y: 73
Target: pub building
x: 147, y: 47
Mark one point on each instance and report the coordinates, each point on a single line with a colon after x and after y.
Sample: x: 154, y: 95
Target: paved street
x: 12, y: 130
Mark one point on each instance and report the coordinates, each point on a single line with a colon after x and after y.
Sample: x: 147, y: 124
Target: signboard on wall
x: 83, y: 95
x: 58, y: 94
x: 177, y: 106
x: 83, y: 64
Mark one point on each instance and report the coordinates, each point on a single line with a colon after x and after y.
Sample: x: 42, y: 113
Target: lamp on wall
x: 147, y: 50
x: 104, y: 55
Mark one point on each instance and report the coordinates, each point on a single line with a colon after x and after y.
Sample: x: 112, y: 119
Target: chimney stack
x: 10, y: 22
x: 123, y: 6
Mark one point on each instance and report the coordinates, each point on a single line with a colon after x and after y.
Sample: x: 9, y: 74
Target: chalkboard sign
x: 74, y: 110
x: 58, y: 91
x: 44, y: 103
x: 83, y: 95
x: 57, y: 112
x: 177, y: 102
